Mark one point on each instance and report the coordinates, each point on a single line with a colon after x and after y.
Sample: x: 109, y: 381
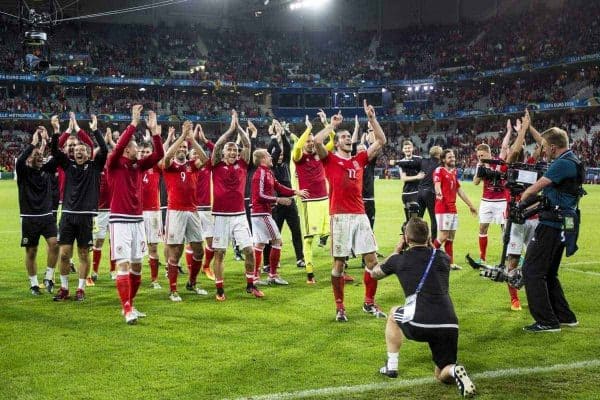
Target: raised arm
x: 380, y: 140
x: 22, y: 159
x: 126, y: 136
x: 186, y: 130
x: 505, y: 147
x: 356, y: 129
x: 520, y: 140
x: 170, y: 139
x: 322, y: 151
x: 245, y: 141
x: 100, y: 157
x: 157, y: 148
x: 299, y: 145
x: 217, y: 153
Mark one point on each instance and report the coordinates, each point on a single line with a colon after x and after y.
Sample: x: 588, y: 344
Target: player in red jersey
x: 351, y: 231
x: 128, y: 244
x: 183, y: 222
x: 153, y: 225
x: 229, y: 170
x: 492, y: 208
x: 204, y: 207
x: 264, y: 228
x: 446, y: 188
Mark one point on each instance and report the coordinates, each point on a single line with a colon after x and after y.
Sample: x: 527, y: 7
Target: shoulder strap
x: 426, y: 271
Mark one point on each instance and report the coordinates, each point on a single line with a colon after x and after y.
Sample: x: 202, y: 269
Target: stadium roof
x: 370, y: 14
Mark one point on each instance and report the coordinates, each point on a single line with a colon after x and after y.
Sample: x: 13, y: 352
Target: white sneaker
x: 200, y: 291
x: 259, y: 282
x: 155, y: 285
x: 174, y: 296
x: 131, y: 318
x: 455, y: 267
x: 113, y: 275
x: 277, y: 281
x: 135, y: 311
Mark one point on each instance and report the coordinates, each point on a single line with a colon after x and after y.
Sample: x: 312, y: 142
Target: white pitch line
x: 402, y: 383
x: 581, y: 263
x: 582, y: 272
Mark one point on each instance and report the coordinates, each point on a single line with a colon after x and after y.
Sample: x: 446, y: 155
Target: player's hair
x: 258, y: 155
x: 483, y: 147
x: 146, y: 145
x: 407, y: 142
x: 336, y: 137
x: 557, y: 137
x: 88, y: 149
x: 435, y: 152
x: 417, y: 231
x: 446, y: 152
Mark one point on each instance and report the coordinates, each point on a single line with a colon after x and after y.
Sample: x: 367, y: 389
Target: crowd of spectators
x: 416, y: 52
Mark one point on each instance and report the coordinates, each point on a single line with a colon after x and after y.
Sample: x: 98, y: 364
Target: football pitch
x: 288, y: 344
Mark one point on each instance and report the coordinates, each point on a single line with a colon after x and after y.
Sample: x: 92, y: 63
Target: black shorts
x: 76, y: 227
x: 34, y: 227
x: 443, y: 342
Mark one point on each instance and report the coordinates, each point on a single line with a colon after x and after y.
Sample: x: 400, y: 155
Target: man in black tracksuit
x: 80, y: 205
x: 426, y: 195
x: 36, y: 184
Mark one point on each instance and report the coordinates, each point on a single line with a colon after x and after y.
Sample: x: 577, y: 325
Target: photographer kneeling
x: 423, y: 273
x: 557, y: 230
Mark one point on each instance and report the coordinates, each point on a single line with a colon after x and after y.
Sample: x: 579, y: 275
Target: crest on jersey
x: 355, y: 164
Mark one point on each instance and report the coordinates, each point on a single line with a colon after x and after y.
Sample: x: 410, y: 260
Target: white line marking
x: 582, y: 272
x: 581, y: 263
x: 402, y: 383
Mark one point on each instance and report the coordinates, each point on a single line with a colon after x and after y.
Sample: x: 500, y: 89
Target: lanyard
x: 426, y: 272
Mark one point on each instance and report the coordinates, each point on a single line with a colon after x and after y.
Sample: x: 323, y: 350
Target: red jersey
x: 203, y: 186
x: 104, y: 193
x: 495, y: 193
x: 150, y: 190
x: 311, y: 176
x: 125, y: 178
x: 229, y: 182
x: 264, y: 186
x: 345, y: 176
x: 450, y: 185
x: 181, y: 185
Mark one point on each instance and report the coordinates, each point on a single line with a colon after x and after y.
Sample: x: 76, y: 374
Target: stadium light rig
x: 299, y: 4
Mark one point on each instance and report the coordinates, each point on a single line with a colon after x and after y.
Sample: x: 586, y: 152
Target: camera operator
x: 557, y: 230
x: 434, y: 320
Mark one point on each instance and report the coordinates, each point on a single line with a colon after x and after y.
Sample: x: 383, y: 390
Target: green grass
x: 289, y: 340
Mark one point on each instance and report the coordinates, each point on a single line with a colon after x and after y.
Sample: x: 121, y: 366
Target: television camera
x: 516, y: 177
x: 34, y: 25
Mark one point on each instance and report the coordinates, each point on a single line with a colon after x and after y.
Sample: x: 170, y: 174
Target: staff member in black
x: 282, y: 155
x: 410, y: 173
x: 35, y: 184
x: 80, y: 205
x: 557, y: 231
x: 424, y: 270
x: 426, y: 195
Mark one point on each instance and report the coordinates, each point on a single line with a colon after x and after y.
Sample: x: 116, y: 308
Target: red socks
x: 448, y: 248
x: 274, y: 260
x: 153, y: 268
x: 258, y: 254
x: 337, y: 282
x: 172, y: 272
x: 370, y: 288
x: 436, y: 243
x: 96, y: 257
x: 483, y: 242
x: 194, y: 269
x: 514, y: 293
x: 135, y: 279
x: 209, y: 253
x: 189, y: 257
x: 123, y: 288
